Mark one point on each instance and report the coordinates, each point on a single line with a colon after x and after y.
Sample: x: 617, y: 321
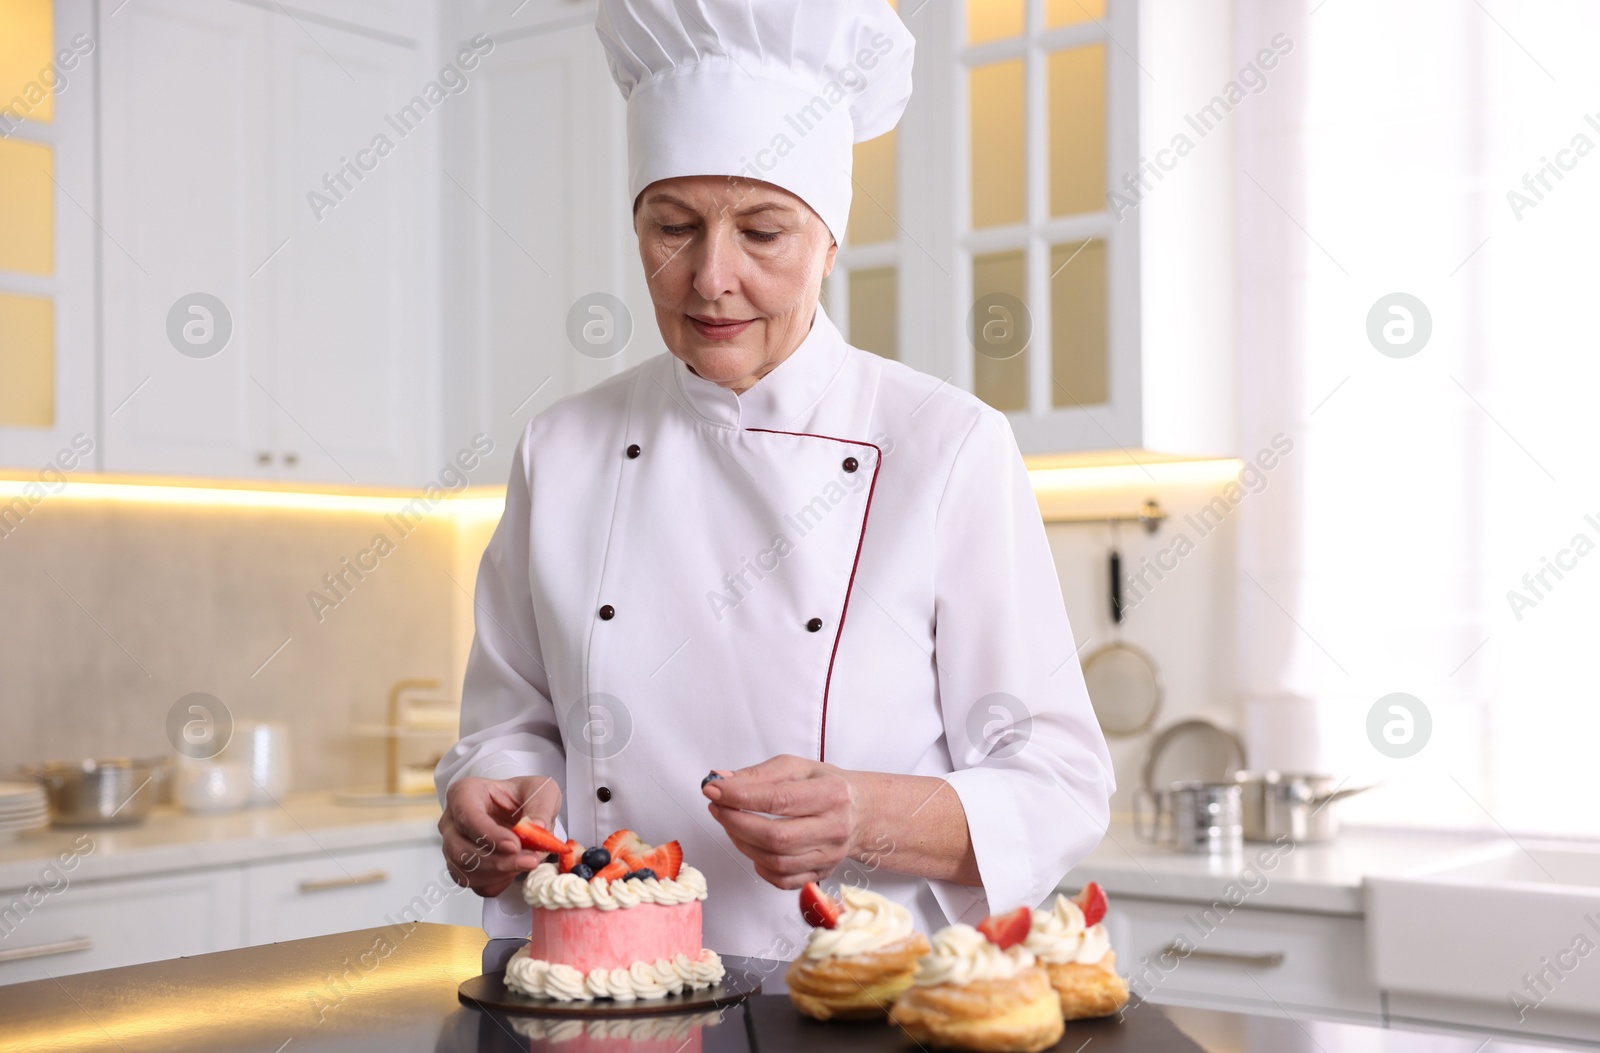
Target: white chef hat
x: 775, y: 90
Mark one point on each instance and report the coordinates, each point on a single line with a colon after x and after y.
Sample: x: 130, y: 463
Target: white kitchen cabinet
x: 105, y: 924
x: 102, y: 924
x: 536, y: 216
x: 221, y: 123
x: 1208, y: 955
x: 339, y: 891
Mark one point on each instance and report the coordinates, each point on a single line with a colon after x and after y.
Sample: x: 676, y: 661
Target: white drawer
x: 340, y: 891
x: 1208, y: 953
x: 103, y: 925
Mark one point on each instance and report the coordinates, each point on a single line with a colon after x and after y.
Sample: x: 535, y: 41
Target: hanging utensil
x: 1192, y: 750
x: 1116, y: 576
x: 1124, y: 687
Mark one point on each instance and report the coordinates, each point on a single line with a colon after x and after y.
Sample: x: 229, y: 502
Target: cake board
x: 741, y: 978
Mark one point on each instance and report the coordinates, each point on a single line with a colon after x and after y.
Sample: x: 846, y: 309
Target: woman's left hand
x: 814, y: 817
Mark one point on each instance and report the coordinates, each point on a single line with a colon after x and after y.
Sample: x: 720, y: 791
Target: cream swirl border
x: 550, y: 889
x: 538, y: 978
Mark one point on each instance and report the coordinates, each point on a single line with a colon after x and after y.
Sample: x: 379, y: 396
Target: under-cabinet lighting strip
x: 23, y: 493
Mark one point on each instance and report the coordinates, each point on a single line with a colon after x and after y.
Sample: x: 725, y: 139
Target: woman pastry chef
x: 768, y: 553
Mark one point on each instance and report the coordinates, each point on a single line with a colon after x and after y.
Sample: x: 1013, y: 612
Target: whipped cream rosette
x: 867, y: 922
x: 961, y: 954
x: 1060, y: 935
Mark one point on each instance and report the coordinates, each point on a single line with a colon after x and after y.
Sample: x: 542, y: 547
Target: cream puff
x: 968, y: 993
x: 1069, y: 940
x: 859, y: 956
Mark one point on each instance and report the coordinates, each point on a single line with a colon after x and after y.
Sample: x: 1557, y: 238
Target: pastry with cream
x: 1069, y: 940
x: 859, y: 957
x: 981, y: 991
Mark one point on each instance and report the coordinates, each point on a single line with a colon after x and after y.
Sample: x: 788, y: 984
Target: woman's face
x: 734, y: 268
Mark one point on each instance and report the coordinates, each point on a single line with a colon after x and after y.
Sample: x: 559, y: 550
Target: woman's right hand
x: 480, y: 849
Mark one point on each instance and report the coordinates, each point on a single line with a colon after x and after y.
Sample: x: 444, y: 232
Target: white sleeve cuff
x: 1001, y: 843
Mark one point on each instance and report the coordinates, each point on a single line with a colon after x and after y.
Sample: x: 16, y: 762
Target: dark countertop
x: 394, y: 989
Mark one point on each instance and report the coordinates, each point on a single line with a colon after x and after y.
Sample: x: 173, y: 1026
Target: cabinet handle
x: 372, y: 877
x: 1269, y: 960
x: 77, y: 943
x: 263, y: 457
x: 291, y: 459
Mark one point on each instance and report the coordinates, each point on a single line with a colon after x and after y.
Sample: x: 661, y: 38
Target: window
x: 1417, y: 280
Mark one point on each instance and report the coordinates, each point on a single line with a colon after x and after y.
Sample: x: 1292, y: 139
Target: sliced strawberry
x: 1008, y: 929
x: 613, y: 870
x: 1092, y: 901
x: 663, y: 859
x: 625, y: 844
x: 818, y: 908
x: 571, y: 855
x: 537, y: 838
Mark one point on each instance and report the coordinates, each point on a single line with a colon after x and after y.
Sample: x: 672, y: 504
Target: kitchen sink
x: 1512, y: 925
x: 1537, y: 864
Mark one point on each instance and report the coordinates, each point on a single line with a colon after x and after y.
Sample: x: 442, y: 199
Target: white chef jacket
x: 844, y: 563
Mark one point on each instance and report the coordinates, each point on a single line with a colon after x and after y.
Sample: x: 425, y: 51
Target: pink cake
x: 587, y: 939
x: 624, y: 932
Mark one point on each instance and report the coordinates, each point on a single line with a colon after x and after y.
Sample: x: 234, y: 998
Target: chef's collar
x: 782, y: 397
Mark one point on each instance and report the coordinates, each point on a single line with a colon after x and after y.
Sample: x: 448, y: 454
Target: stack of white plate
x: 22, y: 807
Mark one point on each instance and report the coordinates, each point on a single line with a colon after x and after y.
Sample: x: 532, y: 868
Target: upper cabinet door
x: 184, y: 171
x: 538, y: 229
x: 355, y: 122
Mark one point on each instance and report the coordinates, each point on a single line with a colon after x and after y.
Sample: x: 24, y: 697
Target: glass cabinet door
x: 1036, y: 117
x: 27, y: 216
x: 1036, y: 140
x: 867, y: 271
x: 48, y: 384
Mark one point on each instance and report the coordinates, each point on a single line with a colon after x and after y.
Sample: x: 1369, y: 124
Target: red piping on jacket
x: 822, y: 742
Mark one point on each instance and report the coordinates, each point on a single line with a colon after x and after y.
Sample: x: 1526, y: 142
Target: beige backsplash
x: 198, y: 598
x: 150, y: 603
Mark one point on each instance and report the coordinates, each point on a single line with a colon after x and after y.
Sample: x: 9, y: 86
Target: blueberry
x: 596, y: 858
x: 583, y: 870
x: 639, y: 875
x: 713, y: 777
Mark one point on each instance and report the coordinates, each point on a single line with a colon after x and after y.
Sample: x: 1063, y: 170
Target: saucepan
x: 1298, y: 807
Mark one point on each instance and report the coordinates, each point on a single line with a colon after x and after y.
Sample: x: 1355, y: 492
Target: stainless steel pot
x: 1279, y: 805
x: 1201, y: 818
x: 106, y: 792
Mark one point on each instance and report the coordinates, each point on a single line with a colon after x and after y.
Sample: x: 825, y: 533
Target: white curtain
x: 1382, y: 158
